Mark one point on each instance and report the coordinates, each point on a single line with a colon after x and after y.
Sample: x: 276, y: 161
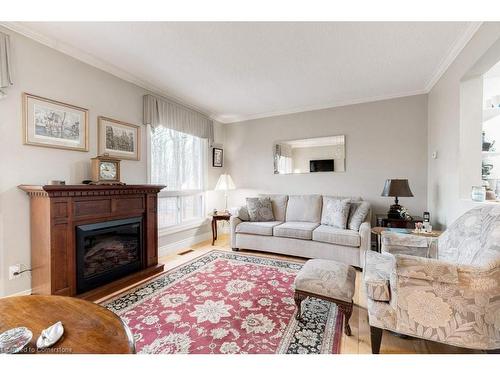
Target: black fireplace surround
x: 107, y: 251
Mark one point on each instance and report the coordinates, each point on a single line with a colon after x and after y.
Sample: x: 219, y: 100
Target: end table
x: 224, y: 216
x: 378, y: 232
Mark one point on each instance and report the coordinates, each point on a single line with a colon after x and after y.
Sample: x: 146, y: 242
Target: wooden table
x: 378, y: 232
x: 383, y: 220
x: 215, y: 218
x: 88, y: 328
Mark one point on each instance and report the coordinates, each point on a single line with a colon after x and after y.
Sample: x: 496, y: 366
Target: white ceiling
x: 238, y: 71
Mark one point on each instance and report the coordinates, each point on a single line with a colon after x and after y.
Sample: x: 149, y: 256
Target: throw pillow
x: 260, y: 209
x: 335, y: 212
x: 357, y: 214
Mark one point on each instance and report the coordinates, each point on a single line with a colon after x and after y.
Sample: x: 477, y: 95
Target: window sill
x: 182, y: 227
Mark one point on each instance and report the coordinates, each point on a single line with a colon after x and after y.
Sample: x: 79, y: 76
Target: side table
x: 222, y: 216
x: 378, y: 232
x: 383, y: 221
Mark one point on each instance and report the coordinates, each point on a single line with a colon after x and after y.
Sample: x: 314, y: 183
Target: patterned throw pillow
x: 358, y: 213
x: 335, y: 212
x: 260, y: 209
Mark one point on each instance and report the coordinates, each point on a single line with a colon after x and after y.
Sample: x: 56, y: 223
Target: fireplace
x: 107, y: 251
x: 91, y: 241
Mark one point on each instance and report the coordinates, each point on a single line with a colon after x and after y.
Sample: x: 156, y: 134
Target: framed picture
x: 49, y: 123
x: 118, y: 139
x: 217, y: 157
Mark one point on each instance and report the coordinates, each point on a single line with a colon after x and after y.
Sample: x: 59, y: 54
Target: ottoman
x: 328, y: 280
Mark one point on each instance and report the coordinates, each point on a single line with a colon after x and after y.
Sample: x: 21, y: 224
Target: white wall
x: 445, y: 173
x: 43, y: 71
x: 385, y: 139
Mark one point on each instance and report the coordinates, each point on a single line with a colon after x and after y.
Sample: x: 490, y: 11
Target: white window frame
x: 189, y: 224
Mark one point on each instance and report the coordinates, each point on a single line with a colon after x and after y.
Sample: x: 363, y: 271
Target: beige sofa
x: 297, y: 231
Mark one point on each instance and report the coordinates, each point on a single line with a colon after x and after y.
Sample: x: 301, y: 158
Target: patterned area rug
x: 224, y: 302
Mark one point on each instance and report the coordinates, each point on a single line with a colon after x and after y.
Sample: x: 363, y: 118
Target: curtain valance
x: 161, y: 112
x: 5, y: 68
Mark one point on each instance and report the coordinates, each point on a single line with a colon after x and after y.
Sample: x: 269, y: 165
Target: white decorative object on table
x: 14, y: 340
x: 50, y: 336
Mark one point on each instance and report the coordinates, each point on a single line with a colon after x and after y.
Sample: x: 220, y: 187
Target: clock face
x: 107, y: 171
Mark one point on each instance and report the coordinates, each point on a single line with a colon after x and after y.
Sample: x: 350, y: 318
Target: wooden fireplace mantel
x: 56, y: 211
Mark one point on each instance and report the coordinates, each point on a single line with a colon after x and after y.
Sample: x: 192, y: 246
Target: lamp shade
x: 397, y: 188
x: 225, y: 182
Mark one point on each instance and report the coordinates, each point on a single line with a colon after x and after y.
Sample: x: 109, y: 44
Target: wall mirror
x: 310, y: 155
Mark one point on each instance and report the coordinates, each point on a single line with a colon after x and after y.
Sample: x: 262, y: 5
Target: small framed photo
x: 118, y: 139
x: 217, y: 157
x: 49, y: 123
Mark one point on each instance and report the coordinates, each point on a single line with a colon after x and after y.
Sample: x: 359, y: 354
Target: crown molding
x: 90, y: 59
x: 342, y: 103
x: 453, y: 53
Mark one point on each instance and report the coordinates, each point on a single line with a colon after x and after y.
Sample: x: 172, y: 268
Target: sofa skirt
x: 301, y: 248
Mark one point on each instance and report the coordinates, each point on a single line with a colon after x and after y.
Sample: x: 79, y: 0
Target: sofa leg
x: 235, y: 249
x: 376, y: 339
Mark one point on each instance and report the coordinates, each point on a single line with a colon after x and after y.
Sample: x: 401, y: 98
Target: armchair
x: 454, y: 299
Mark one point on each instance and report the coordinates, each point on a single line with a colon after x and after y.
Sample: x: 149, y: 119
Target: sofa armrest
x: 234, y: 221
x: 377, y: 275
x: 415, y: 267
x: 365, y: 232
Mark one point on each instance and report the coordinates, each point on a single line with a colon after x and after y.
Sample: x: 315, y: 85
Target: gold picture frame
x: 54, y: 124
x: 126, y: 145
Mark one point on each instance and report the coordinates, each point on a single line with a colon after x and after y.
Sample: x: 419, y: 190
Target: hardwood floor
x: 359, y: 341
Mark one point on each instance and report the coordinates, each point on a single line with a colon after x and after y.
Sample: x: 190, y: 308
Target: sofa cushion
x: 295, y: 229
x: 337, y: 236
x: 357, y: 214
x: 262, y: 228
x: 335, y: 212
x: 240, y: 212
x: 279, y: 203
x: 260, y: 209
x: 305, y: 208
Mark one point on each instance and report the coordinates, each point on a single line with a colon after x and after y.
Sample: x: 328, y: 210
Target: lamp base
x: 395, y: 212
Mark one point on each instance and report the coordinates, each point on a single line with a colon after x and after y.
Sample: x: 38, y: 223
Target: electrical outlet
x: 13, y: 269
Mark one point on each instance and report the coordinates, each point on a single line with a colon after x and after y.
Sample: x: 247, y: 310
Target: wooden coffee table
x: 88, y: 328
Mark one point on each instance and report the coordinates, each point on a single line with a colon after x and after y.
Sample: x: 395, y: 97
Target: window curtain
x: 5, y: 67
x: 161, y: 112
x: 283, y: 158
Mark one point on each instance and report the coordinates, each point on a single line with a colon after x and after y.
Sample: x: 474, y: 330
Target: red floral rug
x: 228, y: 303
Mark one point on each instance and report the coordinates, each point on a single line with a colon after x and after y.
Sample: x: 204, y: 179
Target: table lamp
x: 225, y: 183
x: 396, y: 188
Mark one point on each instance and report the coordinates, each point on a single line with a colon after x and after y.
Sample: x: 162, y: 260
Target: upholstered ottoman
x: 327, y: 280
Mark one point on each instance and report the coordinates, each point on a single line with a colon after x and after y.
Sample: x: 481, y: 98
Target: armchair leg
x: 235, y: 249
x: 376, y: 339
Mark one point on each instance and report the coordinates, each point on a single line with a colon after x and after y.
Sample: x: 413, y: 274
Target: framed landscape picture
x: 118, y: 139
x: 49, y: 123
x: 217, y: 157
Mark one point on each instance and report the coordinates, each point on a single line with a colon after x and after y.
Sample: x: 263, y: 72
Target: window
x: 178, y: 160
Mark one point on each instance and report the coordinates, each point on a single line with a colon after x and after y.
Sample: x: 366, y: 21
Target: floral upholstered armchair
x: 453, y: 299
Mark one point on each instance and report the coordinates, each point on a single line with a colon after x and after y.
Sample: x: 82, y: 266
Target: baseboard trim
x: 26, y: 292
x: 174, y: 247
